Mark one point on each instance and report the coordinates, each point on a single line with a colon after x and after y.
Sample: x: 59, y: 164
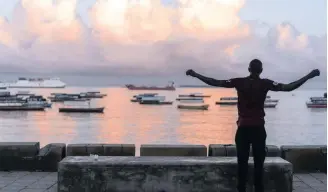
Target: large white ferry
x: 23, y: 82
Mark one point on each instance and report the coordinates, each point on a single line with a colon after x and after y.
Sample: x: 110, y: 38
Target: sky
x: 163, y: 38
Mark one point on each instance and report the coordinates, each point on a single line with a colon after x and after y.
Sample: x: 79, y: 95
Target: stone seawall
x: 166, y: 174
x: 28, y: 156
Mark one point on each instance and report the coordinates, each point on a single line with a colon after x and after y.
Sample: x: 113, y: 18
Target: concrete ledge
x: 229, y: 150
x: 49, y: 157
x: 307, y: 158
x: 101, y: 149
x: 169, y: 174
x: 173, y: 150
x: 18, y: 156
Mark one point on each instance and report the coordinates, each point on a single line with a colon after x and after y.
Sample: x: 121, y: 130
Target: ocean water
x: 291, y: 122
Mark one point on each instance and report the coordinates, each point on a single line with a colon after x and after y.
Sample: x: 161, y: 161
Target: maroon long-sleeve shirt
x: 252, y: 93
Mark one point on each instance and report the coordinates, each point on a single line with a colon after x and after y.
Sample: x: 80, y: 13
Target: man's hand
x: 190, y: 72
x: 314, y: 73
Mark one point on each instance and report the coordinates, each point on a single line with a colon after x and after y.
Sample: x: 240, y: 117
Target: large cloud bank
x: 134, y: 37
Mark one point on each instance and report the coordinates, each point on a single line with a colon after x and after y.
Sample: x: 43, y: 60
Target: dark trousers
x: 245, y: 136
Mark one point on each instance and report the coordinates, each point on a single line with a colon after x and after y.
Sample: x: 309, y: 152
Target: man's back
x: 252, y: 92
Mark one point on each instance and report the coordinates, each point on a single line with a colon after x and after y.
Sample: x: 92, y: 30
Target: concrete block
x: 18, y: 156
x: 217, y: 150
x: 50, y: 155
x: 19, y: 149
x: 84, y: 149
x: 119, y: 150
x: 101, y: 149
x: 305, y: 158
x: 230, y: 150
x: 169, y: 174
x: 173, y: 150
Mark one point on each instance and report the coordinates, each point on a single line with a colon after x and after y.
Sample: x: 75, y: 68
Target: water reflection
x: 126, y: 122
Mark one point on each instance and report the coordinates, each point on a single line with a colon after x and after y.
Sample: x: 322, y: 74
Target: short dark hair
x: 255, y: 66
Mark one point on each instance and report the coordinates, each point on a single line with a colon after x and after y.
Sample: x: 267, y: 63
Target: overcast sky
x: 143, y: 37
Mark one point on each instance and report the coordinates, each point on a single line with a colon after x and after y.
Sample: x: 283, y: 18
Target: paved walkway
x: 46, y: 182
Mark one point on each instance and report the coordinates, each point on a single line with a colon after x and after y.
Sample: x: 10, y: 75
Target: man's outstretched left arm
x: 211, y: 81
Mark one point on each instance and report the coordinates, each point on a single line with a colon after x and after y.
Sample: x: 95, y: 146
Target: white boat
x: 80, y: 107
x: 23, y: 82
x: 137, y: 98
x: 155, y: 100
x: 92, y: 94
x: 268, y: 103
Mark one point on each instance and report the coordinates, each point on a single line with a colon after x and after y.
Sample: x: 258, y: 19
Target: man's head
x: 255, y: 67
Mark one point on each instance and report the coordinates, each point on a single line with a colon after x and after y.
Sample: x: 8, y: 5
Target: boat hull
x: 190, y: 99
x: 316, y: 106
x: 32, y: 87
x: 12, y: 108
x: 202, y: 107
x: 169, y: 88
x: 226, y: 103
x: 196, y: 96
x: 143, y: 102
x: 82, y: 110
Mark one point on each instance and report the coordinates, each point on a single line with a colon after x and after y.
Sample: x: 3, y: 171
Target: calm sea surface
x: 291, y: 122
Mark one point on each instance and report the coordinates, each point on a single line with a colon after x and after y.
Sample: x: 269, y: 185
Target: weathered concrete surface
x: 306, y: 158
x: 18, y: 155
x: 173, y: 150
x: 28, y: 182
x: 50, y: 155
x: 101, y: 149
x: 230, y: 150
x: 169, y: 174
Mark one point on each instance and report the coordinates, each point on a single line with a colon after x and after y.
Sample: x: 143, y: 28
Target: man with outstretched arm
x: 252, y: 92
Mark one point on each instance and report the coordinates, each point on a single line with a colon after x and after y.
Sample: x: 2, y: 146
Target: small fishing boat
x: 74, y: 108
x: 193, y: 105
x: 155, y: 100
x: 270, y: 105
x: 137, y: 98
x: 196, y: 95
x: 317, y: 102
x: 92, y: 95
x: 62, y: 97
x: 189, y: 99
x: 227, y: 101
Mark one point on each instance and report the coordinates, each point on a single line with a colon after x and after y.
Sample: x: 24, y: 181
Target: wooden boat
x: 189, y: 98
x: 227, y: 101
x: 81, y: 110
x: 92, y: 95
x: 154, y: 100
x: 149, y: 102
x: 317, y: 102
x: 196, y: 95
x: 193, y: 107
x: 19, y: 106
x: 137, y: 98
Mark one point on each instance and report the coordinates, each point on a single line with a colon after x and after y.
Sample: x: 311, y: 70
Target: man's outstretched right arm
x: 272, y: 86
x: 211, y: 81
